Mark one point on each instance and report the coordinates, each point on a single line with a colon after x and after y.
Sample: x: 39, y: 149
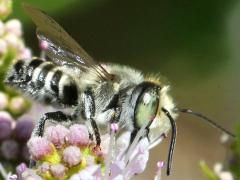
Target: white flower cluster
x: 11, y: 42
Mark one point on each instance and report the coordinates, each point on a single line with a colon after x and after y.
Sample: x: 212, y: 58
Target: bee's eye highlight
x: 147, y: 106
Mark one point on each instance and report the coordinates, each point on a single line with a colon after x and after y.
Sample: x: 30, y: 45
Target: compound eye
x: 147, y: 106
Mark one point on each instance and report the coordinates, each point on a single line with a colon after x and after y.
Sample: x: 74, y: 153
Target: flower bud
x: 44, y: 167
x: 58, y: 170
x: 57, y: 134
x: 17, y: 104
x: 72, y: 155
x: 5, y: 125
x: 30, y: 174
x: 43, y: 45
x: 39, y: 147
x: 24, y: 128
x: 5, y: 8
x: 10, y: 149
x: 11, y: 40
x: 78, y: 135
x: 14, y: 26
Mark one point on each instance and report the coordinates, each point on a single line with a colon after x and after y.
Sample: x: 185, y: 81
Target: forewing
x: 62, y: 48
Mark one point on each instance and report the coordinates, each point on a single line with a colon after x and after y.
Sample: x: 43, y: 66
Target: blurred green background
x: 195, y: 44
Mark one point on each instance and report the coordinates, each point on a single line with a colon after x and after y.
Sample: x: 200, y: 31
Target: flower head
x: 69, y: 153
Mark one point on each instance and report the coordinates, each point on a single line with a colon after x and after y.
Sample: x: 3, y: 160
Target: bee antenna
x: 173, y: 140
x: 206, y: 119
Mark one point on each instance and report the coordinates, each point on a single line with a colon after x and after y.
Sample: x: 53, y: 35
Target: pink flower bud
x: 72, y: 155
x: 58, y: 170
x: 78, y: 135
x: 114, y: 127
x: 57, y: 135
x: 39, y: 147
x: 43, y: 45
x: 160, y: 164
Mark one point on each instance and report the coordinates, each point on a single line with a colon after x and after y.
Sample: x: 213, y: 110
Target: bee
x: 98, y: 94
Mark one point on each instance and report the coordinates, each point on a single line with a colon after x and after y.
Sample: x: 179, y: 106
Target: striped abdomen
x: 44, y: 81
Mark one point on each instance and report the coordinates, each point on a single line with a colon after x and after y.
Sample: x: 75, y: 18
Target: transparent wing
x: 62, y: 48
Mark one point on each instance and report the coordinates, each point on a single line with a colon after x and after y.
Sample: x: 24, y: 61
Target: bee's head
x: 154, y: 107
x: 15, y: 74
x: 148, y: 99
x: 154, y: 111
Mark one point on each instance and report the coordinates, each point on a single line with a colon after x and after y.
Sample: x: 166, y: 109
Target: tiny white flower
x: 11, y: 40
x: 14, y: 26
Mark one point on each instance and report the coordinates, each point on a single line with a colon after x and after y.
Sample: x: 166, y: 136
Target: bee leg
x: 135, y: 131
x: 96, y: 132
x: 57, y: 116
x: 89, y: 113
x: 133, y: 135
